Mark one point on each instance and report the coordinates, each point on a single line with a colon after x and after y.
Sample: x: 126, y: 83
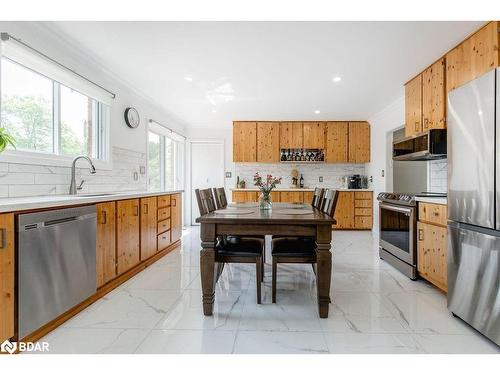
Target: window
x: 49, y: 117
x: 165, y: 159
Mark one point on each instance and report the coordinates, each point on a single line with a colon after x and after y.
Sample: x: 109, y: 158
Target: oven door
x: 397, y: 231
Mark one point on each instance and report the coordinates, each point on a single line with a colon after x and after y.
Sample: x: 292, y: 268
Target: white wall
x: 382, y: 124
x: 121, y: 137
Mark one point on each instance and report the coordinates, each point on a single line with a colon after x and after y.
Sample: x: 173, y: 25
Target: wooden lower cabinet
x: 432, y: 254
x: 106, y: 245
x: 149, y: 225
x: 291, y: 196
x: 127, y: 234
x: 244, y: 196
x: 344, y: 212
x: 308, y: 196
x: 7, y: 291
x: 176, y: 217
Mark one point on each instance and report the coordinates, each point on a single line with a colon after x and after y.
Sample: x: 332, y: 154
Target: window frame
x: 55, y: 158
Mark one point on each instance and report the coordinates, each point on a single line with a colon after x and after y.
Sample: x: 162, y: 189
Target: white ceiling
x: 266, y: 70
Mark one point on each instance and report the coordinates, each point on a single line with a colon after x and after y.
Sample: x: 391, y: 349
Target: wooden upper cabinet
x: 244, y: 141
x: 268, y: 142
x: 434, y: 96
x: 176, y: 217
x: 106, y: 245
x: 337, y: 135
x: 313, y: 135
x: 413, y: 106
x: 359, y: 142
x: 473, y: 57
x: 291, y: 135
x: 6, y: 276
x: 127, y: 234
x: 148, y: 227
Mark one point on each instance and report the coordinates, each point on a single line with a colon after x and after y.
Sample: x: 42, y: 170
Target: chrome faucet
x: 72, y: 186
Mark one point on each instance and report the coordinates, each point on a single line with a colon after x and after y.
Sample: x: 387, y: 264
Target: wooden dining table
x: 247, y: 219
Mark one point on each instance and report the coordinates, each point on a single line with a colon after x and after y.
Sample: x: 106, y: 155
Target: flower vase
x: 265, y: 201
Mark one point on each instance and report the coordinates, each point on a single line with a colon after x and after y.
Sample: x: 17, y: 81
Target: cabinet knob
x: 104, y: 216
x: 3, y: 240
x: 146, y: 208
x: 420, y: 234
x: 426, y: 123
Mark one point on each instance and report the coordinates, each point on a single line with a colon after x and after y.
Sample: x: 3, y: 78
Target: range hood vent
x: 430, y: 145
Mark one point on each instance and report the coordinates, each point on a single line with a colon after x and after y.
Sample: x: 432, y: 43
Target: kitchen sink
x: 94, y: 195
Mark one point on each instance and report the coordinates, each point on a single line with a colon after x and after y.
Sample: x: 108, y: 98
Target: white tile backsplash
x: 332, y: 173
x: 17, y: 180
x: 438, y: 170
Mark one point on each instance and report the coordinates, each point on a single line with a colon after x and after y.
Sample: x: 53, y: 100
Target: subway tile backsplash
x: 332, y: 173
x: 438, y: 170
x: 17, y: 180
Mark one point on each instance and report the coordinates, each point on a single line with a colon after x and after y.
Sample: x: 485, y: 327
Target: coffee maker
x: 357, y: 181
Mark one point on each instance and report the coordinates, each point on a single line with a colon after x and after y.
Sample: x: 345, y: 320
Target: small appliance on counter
x: 357, y: 181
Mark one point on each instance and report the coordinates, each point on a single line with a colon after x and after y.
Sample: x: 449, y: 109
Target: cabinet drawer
x: 163, y: 225
x: 362, y: 195
x: 363, y: 212
x: 163, y: 213
x: 432, y: 213
x: 363, y: 222
x: 163, y: 240
x: 163, y: 201
x: 362, y: 203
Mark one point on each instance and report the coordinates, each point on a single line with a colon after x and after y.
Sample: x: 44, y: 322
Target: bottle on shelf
x: 302, y: 157
x: 301, y: 181
x: 288, y: 155
x: 282, y: 155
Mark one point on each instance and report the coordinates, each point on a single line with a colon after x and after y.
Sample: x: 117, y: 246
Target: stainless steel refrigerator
x: 474, y: 203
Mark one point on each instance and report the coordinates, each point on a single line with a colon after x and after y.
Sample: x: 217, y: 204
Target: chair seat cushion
x: 294, y: 246
x: 239, y: 246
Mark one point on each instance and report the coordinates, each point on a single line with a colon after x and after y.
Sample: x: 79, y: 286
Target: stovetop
x: 406, y: 199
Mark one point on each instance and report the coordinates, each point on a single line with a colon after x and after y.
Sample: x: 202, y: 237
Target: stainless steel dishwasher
x: 56, y: 264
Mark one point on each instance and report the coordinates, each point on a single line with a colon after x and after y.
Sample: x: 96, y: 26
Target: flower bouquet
x: 265, y: 186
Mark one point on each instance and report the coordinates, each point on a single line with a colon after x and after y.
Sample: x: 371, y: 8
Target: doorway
x: 207, y: 169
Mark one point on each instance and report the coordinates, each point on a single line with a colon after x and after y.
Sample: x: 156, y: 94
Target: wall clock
x: 132, y: 118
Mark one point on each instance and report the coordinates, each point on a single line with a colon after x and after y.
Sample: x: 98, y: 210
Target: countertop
x: 295, y: 189
x: 47, y: 201
x: 435, y: 200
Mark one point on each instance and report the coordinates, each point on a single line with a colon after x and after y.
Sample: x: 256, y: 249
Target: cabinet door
x: 413, y: 106
x: 432, y: 254
x: 149, y: 223
x: 176, y: 217
x: 244, y: 196
x: 344, y: 212
x: 314, y: 135
x: 473, y: 57
x: 337, y: 134
x: 308, y: 196
x: 244, y: 142
x: 275, y: 196
x: 6, y: 276
x: 291, y: 196
x: 359, y: 142
x: 106, y: 242
x: 434, y: 97
x: 127, y: 237
x: 291, y: 135
x: 268, y: 142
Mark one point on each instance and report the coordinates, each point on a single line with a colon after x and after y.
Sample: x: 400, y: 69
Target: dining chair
x: 300, y: 250
x: 318, y: 197
x: 220, y: 198
x: 234, y: 249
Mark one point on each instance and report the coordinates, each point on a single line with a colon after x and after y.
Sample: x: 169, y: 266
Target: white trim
x: 188, y: 212
x: 42, y: 158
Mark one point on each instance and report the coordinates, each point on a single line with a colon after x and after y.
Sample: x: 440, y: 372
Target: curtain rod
x: 166, y: 127
x: 5, y: 37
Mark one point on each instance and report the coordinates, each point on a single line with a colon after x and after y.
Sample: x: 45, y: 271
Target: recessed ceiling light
x: 214, y: 110
x: 189, y: 79
x: 317, y: 111
x: 337, y: 79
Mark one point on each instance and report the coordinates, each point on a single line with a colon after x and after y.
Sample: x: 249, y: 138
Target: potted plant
x: 265, y: 188
x: 5, y: 140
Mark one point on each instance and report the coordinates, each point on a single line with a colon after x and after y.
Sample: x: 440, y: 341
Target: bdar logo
x: 8, y: 347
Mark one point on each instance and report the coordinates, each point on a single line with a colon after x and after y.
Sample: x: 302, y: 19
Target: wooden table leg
x: 208, y: 270
x: 323, y: 268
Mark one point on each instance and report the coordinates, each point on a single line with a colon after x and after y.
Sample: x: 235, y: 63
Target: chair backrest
x: 330, y: 202
x: 205, y: 201
x: 318, y: 197
x: 220, y: 198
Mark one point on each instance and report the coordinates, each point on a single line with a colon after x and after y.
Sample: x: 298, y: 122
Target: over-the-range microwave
x: 429, y: 145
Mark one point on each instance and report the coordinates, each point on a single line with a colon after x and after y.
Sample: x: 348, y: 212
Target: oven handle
x: 397, y: 208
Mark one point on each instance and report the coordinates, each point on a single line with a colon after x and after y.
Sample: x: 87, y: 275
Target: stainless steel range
x: 397, y: 231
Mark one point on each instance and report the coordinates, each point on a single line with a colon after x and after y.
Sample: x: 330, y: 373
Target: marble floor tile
x: 187, y: 342
x: 375, y: 309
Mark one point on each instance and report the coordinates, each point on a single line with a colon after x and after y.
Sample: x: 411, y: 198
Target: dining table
x: 284, y: 219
